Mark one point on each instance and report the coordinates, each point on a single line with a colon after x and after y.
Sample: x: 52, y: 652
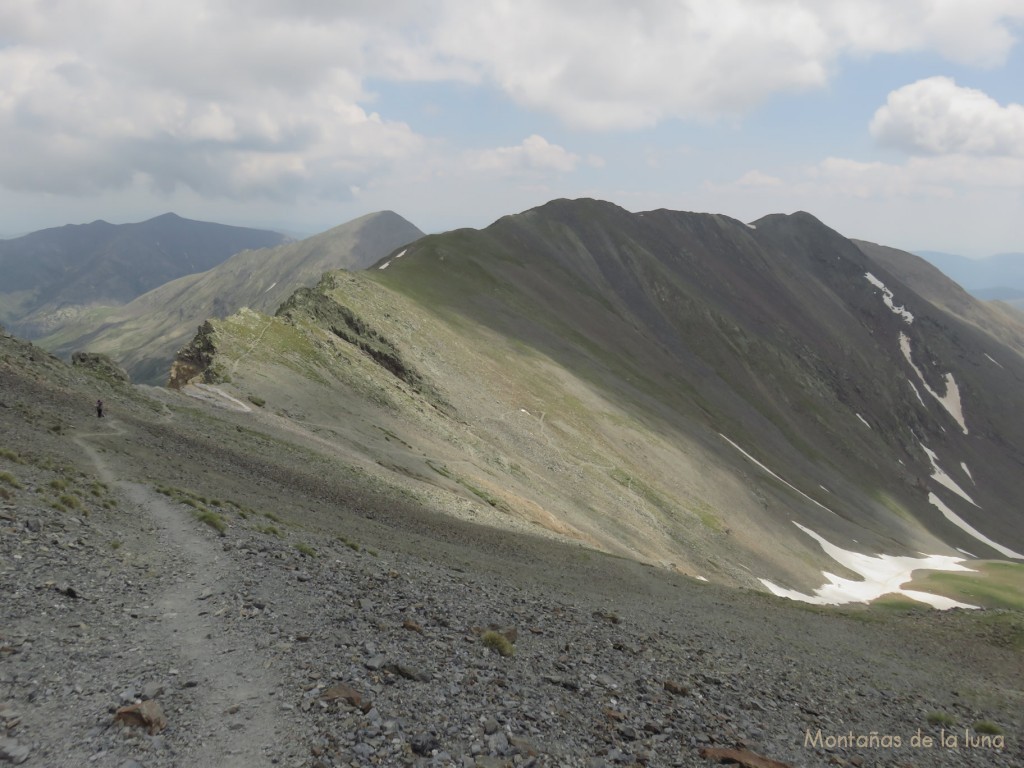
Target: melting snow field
x: 940, y: 477
x: 958, y: 521
x: 881, y: 575
x: 951, y: 400
x: 887, y: 298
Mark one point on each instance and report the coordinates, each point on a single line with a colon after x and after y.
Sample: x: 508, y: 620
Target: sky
x: 896, y: 122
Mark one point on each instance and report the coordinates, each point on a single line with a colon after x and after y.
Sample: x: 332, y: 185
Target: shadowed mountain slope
x: 50, y: 276
x: 680, y: 388
x: 996, y: 318
x: 144, y: 334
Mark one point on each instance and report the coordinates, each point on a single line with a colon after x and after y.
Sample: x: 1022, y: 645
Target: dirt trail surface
x: 234, y: 687
x: 337, y: 623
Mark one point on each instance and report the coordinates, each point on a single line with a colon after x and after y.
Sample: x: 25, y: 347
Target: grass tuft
x: 498, y: 642
x: 987, y: 726
x: 941, y: 718
x: 305, y: 549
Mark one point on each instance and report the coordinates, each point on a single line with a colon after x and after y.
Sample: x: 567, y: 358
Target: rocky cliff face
x: 196, y: 360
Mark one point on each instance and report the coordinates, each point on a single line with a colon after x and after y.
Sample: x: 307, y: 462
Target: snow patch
x: 887, y: 298
x: 864, y: 420
x: 943, y: 479
x: 916, y: 392
x: 700, y: 578
x: 400, y: 255
x: 947, y: 482
x: 385, y: 265
x: 271, y: 286
x: 752, y: 226
x: 966, y: 553
x: 762, y: 466
x: 967, y: 471
x: 951, y: 400
x: 959, y: 522
x: 880, y: 575
x: 994, y: 361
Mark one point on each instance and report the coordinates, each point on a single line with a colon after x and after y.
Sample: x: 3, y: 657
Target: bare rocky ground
x: 334, y: 623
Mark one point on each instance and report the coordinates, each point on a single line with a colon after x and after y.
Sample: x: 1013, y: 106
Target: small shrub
x: 4, y: 493
x: 271, y: 530
x: 9, y: 479
x: 259, y: 402
x: 115, y: 544
x: 941, y: 718
x: 59, y: 507
x: 272, y: 516
x: 70, y: 500
x: 11, y: 456
x: 305, y: 549
x: 498, y: 642
x: 58, y: 484
x: 213, y: 520
x: 987, y: 726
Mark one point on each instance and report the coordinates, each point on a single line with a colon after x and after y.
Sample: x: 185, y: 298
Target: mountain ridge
x: 768, y: 352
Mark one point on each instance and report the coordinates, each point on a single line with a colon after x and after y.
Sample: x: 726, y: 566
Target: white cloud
x: 756, y: 178
x: 936, y: 116
x: 272, y: 99
x: 535, y: 153
x: 604, y: 64
x: 102, y: 95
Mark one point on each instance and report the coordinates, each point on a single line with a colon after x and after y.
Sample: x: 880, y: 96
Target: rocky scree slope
x: 281, y: 608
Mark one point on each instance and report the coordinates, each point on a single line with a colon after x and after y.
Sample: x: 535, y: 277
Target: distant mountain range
x: 144, y: 333
x: 51, y: 276
x: 746, y: 402
x: 998, y: 277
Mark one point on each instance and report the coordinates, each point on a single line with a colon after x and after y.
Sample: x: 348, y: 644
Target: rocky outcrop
x: 195, y: 360
x: 322, y: 310
x: 102, y: 364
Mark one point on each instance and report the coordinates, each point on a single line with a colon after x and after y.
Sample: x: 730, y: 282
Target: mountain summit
x: 747, y: 403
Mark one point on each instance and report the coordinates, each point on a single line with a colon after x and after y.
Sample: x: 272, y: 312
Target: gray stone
x: 14, y: 752
x: 152, y: 690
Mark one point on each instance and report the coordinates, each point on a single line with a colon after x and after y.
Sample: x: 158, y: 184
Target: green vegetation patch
x: 8, y: 479
x: 987, y: 726
x: 498, y: 642
x: 643, y: 490
x: 11, y: 456
x: 943, y: 719
x: 995, y: 584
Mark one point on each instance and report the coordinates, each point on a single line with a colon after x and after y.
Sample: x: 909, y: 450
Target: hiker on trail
x: 99, y: 409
